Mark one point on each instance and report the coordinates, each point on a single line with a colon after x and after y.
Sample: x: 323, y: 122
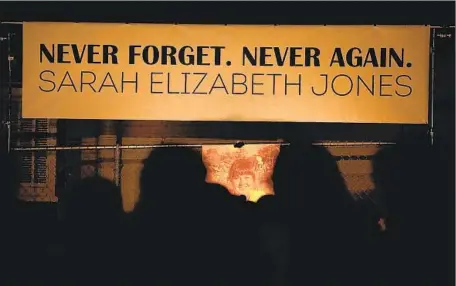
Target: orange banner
x: 352, y: 74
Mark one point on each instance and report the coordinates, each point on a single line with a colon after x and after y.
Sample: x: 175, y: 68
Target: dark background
x: 222, y: 12
x: 282, y: 13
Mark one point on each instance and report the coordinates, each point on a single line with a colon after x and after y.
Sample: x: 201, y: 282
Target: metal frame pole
x: 2, y: 95
x: 120, y: 147
x: 117, y: 165
x: 432, y: 26
x: 432, y: 98
x: 118, y: 154
x: 10, y: 93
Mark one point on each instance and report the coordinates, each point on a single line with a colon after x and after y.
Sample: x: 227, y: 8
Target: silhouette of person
x: 187, y: 231
x: 316, y: 211
x: 404, y: 174
x: 93, y: 216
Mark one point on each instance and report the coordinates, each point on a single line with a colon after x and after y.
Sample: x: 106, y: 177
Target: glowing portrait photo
x: 243, y: 171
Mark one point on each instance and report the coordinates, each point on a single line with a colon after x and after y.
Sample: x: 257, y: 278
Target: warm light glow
x: 243, y: 171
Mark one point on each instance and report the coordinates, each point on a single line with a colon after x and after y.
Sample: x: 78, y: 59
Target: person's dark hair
x: 171, y: 168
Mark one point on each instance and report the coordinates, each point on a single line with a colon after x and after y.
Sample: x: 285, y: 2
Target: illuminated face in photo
x: 242, y: 177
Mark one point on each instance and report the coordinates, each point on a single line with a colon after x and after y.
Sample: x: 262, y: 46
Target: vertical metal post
x: 10, y: 93
x: 431, y: 111
x: 117, y: 165
x: 2, y: 96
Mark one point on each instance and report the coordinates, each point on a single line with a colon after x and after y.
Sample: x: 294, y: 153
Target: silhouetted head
x: 305, y: 165
x: 171, y: 173
x: 308, y: 177
x: 93, y: 202
x: 287, y: 169
x: 403, y: 174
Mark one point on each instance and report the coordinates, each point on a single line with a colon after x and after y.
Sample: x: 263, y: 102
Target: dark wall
x: 217, y: 12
